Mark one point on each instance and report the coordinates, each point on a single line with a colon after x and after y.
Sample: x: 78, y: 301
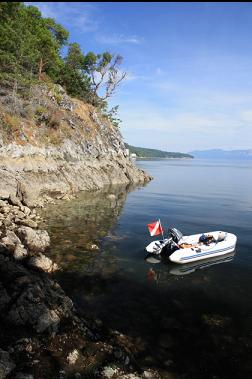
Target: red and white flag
x: 155, y: 228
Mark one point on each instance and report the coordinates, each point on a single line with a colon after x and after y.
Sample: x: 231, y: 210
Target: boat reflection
x: 189, y: 268
x: 153, y: 258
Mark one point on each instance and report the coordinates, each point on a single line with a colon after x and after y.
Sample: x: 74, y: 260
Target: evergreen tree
x: 30, y: 47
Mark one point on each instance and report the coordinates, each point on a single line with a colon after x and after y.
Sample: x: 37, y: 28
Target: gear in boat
x: 182, y: 249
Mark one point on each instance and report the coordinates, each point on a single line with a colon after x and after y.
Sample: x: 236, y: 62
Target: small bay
x: 192, y: 322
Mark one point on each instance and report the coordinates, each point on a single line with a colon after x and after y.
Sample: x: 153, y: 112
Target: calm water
x: 186, y: 322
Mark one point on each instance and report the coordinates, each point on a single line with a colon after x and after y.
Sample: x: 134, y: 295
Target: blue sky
x: 189, y: 65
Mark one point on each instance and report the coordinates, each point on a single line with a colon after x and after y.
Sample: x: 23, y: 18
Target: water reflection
x: 78, y: 227
x: 199, y: 265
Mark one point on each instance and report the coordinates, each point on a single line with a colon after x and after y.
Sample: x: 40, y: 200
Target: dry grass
x: 44, y: 122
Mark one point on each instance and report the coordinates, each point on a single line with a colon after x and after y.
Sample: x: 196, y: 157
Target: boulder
x: 10, y: 241
x: 30, y: 223
x: 18, y: 213
x: 14, y: 200
x: 26, y: 210
x: 42, y: 263
x: 39, y: 305
x: 72, y: 357
x: 20, y: 252
x: 48, y: 320
x: 4, y: 298
x: 6, y: 364
x: 21, y: 375
x: 2, y: 203
x: 34, y: 240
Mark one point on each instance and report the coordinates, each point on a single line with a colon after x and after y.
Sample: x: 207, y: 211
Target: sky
x: 189, y: 68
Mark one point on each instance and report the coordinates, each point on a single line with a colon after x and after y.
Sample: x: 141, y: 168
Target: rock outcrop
x: 53, y: 145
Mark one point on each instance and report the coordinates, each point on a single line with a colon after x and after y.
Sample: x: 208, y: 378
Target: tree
x: 49, y: 37
x: 30, y: 46
x: 73, y: 76
x: 104, y: 73
x: 28, y: 41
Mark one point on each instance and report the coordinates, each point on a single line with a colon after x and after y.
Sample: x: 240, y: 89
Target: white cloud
x: 81, y: 16
x: 247, y: 116
x: 130, y: 76
x: 196, y: 123
x: 159, y: 71
x: 117, y: 39
x: 85, y: 23
x: 185, y: 131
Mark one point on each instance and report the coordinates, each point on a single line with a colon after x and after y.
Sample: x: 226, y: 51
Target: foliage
x: 73, y: 75
x: 29, y: 43
x: 113, y: 116
x: 30, y: 51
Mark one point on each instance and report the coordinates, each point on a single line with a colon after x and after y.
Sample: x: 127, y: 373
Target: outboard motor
x: 175, y: 234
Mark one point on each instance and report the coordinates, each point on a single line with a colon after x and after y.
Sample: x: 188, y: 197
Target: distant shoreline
x: 162, y: 158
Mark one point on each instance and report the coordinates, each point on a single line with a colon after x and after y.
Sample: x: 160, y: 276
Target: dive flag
x: 155, y: 228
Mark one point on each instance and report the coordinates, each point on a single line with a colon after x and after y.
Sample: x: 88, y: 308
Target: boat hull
x: 198, y: 252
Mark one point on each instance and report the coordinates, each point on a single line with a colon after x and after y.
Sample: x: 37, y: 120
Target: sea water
x: 189, y: 321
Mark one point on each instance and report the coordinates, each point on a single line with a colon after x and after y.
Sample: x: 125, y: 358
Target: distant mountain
x: 154, y: 153
x: 222, y: 154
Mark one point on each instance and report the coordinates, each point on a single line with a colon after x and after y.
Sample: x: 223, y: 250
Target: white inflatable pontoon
x: 184, y: 249
x: 222, y: 243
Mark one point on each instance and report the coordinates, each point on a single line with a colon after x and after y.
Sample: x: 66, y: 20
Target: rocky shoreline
x: 42, y: 335
x: 52, y: 145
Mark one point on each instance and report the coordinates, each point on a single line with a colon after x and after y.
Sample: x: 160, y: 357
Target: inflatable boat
x: 184, y: 249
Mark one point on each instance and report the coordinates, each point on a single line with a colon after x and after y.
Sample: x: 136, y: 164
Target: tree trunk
x: 40, y: 69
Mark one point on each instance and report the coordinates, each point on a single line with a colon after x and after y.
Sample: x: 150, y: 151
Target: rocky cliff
x: 52, y: 145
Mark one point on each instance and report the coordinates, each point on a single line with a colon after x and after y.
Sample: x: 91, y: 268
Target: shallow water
x: 190, y: 322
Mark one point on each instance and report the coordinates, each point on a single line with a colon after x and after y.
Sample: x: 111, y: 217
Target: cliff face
x: 52, y: 145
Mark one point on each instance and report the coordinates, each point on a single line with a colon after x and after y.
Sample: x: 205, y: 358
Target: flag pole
x: 161, y: 228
